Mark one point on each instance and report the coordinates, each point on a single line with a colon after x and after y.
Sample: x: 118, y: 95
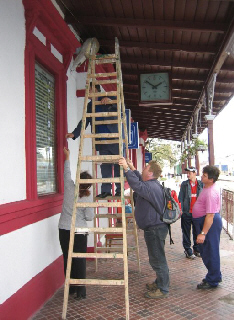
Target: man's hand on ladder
x: 69, y: 135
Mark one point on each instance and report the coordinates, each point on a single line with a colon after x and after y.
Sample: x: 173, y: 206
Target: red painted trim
x: 31, y: 297
x: 80, y: 93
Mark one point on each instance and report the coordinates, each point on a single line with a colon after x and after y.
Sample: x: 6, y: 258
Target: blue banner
x: 148, y: 156
x: 134, y: 136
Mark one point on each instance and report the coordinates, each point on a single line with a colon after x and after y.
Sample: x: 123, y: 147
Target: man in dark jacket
x: 104, y: 149
x: 189, y: 192
x: 149, y: 205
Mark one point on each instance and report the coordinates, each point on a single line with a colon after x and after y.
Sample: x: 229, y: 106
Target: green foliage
x: 162, y: 151
x: 191, y: 151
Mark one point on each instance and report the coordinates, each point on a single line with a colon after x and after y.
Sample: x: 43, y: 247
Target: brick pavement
x: 184, y: 301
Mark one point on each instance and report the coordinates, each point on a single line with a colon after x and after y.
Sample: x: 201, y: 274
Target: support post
x: 210, y: 119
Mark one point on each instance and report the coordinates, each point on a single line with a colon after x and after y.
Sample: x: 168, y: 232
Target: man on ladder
x: 104, y: 149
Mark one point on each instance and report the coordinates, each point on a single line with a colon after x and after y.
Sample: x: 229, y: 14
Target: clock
x: 155, y: 87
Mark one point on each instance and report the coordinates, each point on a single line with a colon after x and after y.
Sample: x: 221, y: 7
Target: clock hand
x: 149, y: 83
x: 156, y: 85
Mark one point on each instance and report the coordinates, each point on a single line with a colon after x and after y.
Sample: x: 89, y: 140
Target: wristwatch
x: 203, y: 233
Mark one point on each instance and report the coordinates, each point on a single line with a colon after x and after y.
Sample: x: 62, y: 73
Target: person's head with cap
x: 191, y: 173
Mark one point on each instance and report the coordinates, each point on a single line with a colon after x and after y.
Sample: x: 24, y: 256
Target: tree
x: 162, y: 151
x: 191, y: 151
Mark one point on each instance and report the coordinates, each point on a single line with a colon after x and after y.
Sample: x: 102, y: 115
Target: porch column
x: 210, y: 119
x: 197, y: 163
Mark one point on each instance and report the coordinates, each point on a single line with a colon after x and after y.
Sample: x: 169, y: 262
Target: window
x: 45, y: 130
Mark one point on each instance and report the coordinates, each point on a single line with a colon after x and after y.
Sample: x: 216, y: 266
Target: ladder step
x: 107, y: 141
x: 102, y: 135
x: 99, y: 230
x: 103, y: 94
x: 105, y: 81
x: 117, y: 249
x: 101, y: 75
x: 101, y: 114
x: 99, y: 180
x: 105, y: 56
x: 97, y: 282
x: 98, y: 255
x: 105, y: 158
x: 98, y: 103
x: 99, y: 204
x: 113, y: 215
x: 105, y: 61
x: 97, y: 123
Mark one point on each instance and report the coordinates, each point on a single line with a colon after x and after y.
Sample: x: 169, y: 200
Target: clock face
x: 155, y: 87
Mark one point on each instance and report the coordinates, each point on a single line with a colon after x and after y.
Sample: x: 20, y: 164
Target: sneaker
x: 197, y: 254
x: 204, y: 280
x: 151, y: 286
x: 205, y: 285
x: 157, y: 294
x: 189, y: 256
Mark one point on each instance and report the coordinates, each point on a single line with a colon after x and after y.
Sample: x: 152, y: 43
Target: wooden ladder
x: 119, y: 118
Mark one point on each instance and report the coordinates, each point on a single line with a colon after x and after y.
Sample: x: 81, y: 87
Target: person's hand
x: 106, y: 100
x: 66, y: 152
x: 131, y: 166
x: 123, y: 163
x: 69, y: 135
x: 201, y: 238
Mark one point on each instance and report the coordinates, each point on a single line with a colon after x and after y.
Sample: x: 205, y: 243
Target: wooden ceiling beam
x: 146, y: 23
x: 175, y: 76
x: 160, y: 46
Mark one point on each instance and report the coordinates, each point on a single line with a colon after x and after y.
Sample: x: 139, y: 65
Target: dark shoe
x: 197, y: 254
x: 204, y: 280
x: 104, y: 195
x: 118, y: 194
x: 72, y: 290
x: 189, y: 256
x: 205, y: 285
x: 80, y: 297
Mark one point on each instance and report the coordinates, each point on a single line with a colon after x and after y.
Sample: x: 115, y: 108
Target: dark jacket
x: 106, y: 128
x: 147, y: 191
x: 185, y: 194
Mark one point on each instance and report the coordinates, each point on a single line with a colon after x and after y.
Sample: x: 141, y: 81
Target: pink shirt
x: 207, y: 202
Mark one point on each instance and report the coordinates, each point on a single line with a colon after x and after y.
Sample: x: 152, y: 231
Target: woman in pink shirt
x: 208, y: 224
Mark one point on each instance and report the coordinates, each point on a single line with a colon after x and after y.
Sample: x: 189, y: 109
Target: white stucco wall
x: 25, y: 253
x: 12, y: 102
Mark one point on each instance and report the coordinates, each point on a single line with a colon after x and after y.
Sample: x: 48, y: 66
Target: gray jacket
x: 147, y: 192
x: 185, y: 194
x: 82, y: 214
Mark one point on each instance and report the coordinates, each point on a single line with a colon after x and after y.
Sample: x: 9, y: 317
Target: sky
x: 223, y: 132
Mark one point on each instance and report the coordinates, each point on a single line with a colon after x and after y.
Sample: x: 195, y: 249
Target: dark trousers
x: 186, y: 225
x: 78, y: 268
x: 155, y: 241
x: 210, y: 248
x: 106, y: 170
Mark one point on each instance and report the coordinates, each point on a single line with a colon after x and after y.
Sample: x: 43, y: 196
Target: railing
x: 227, y: 212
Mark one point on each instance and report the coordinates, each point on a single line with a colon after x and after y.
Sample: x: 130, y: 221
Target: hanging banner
x: 134, y: 136
x: 148, y: 157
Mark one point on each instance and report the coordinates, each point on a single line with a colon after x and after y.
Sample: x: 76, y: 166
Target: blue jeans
x: 155, y: 241
x: 210, y: 248
x: 186, y: 225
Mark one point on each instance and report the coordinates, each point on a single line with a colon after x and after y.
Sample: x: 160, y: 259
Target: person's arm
x: 89, y: 214
x: 68, y: 182
x: 181, y: 195
x: 76, y: 132
x: 206, y: 227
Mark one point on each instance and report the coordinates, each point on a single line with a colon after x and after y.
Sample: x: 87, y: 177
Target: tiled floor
x: 183, y: 302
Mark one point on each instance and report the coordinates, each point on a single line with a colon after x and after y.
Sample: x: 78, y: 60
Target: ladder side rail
x: 125, y: 251
x: 76, y: 194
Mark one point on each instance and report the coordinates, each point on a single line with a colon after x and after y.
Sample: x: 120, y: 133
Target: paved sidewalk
x: 184, y: 300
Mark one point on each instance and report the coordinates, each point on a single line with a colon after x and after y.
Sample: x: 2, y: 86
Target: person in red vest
x: 189, y: 192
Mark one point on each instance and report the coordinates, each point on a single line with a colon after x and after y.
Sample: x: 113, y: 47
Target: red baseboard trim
x: 31, y: 297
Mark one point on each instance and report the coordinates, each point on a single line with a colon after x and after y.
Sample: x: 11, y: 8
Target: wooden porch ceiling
x: 185, y: 37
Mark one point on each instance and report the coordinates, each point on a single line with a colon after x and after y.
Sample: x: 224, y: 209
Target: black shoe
x: 104, y: 195
x: 197, y: 254
x: 80, y: 297
x: 72, y: 290
x: 118, y: 194
x: 205, y: 285
x: 204, y: 280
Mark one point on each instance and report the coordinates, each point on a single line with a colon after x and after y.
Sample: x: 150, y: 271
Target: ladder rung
x: 98, y: 103
x: 100, y: 75
x: 103, y: 94
x: 97, y: 282
x: 97, y: 123
x: 117, y: 249
x: 101, y: 114
x: 107, y: 141
x: 105, y: 61
x: 105, y: 56
x: 113, y: 215
x: 102, y: 135
x: 99, y: 230
x: 105, y: 81
x: 110, y: 197
x: 105, y: 158
x: 98, y: 204
x: 99, y: 180
x: 98, y: 255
